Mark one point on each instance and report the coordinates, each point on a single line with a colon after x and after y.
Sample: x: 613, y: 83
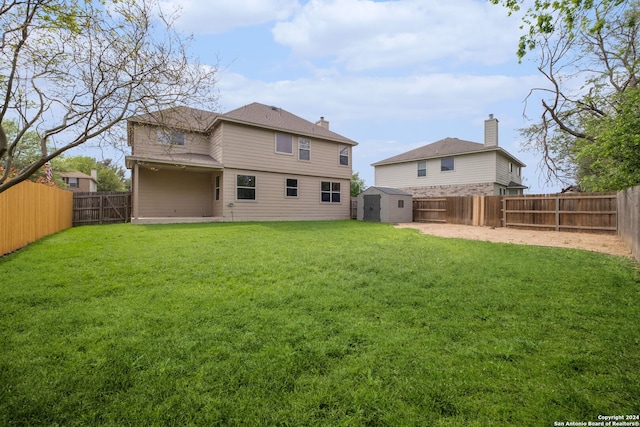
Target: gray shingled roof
x: 392, y: 191
x: 185, y: 118
x: 443, y: 148
x: 255, y: 114
x: 75, y: 174
x: 188, y: 159
x: 276, y: 118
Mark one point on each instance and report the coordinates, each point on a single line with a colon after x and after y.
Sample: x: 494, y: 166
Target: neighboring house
x: 255, y: 163
x: 453, y: 167
x: 80, y: 182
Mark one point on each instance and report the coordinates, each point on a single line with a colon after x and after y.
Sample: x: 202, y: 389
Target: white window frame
x: 287, y: 149
x: 304, y: 145
x: 423, y: 162
x: 288, y: 187
x: 343, y: 153
x: 453, y: 166
x: 217, y: 187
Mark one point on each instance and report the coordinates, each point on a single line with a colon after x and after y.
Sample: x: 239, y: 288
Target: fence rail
x: 595, y: 213
x: 30, y: 211
x: 574, y: 212
x: 101, y: 208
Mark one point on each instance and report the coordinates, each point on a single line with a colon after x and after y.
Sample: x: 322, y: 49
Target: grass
x: 312, y: 323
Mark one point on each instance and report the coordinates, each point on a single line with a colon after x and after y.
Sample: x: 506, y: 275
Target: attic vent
x: 274, y: 108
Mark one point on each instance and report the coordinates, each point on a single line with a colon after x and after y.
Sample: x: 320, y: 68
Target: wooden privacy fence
x: 582, y: 212
x: 101, y: 208
x: 30, y: 211
x: 467, y: 210
x: 563, y: 212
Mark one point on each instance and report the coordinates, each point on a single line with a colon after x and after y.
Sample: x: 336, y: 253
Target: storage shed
x: 384, y: 204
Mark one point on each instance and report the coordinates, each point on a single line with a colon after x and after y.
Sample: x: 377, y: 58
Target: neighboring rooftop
x: 443, y: 148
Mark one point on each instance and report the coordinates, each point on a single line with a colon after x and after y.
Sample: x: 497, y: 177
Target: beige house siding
x: 147, y: 143
x: 272, y: 204
x: 468, y: 169
x: 216, y: 146
x: 254, y: 149
x: 168, y: 193
x: 504, y: 176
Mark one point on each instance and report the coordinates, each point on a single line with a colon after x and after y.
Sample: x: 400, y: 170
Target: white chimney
x: 491, y: 132
x: 323, y: 123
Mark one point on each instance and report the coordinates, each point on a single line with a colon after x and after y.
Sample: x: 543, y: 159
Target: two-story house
x: 255, y: 163
x: 79, y: 182
x: 453, y: 167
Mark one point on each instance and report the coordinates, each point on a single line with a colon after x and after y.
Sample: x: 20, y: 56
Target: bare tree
x: 589, y: 57
x: 74, y: 70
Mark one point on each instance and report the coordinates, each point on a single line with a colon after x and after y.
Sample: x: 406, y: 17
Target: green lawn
x: 312, y: 323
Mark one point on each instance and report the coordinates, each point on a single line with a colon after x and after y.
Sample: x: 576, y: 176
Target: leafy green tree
x: 544, y: 18
x: 612, y: 160
x: 357, y: 184
x: 590, y: 57
x: 111, y: 177
x: 28, y: 151
x: 74, y: 70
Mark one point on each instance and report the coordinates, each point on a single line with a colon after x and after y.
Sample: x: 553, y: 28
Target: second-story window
x: 344, y: 155
x: 172, y: 137
x: 446, y: 164
x: 304, y: 149
x: 422, y: 168
x: 284, y: 143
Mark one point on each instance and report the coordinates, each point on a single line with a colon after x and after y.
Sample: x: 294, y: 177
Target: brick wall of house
x: 485, y: 189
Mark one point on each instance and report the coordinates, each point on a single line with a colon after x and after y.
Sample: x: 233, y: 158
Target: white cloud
x: 365, y: 34
x: 212, y: 17
x: 350, y: 98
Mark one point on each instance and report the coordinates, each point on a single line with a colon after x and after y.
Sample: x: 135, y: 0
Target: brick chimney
x: 491, y: 132
x: 323, y: 123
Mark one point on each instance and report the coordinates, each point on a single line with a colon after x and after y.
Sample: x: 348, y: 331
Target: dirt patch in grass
x: 608, y: 244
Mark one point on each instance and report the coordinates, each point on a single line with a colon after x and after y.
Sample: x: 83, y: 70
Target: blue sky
x: 391, y: 75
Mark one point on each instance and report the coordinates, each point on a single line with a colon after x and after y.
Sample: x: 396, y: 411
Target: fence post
x: 557, y: 213
x: 101, y: 210
x: 504, y: 212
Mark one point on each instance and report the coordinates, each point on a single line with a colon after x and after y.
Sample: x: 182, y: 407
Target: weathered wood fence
x: 593, y: 213
x: 584, y: 212
x: 629, y: 219
x: 101, y: 208
x: 30, y: 211
x: 467, y: 210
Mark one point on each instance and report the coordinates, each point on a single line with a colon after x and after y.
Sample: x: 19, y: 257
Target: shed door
x: 372, y: 208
